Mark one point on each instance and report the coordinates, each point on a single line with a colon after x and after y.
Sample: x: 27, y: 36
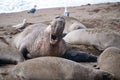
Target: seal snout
x: 57, y: 27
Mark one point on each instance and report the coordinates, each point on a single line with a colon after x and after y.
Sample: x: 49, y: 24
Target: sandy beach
x: 104, y: 15
x: 97, y: 15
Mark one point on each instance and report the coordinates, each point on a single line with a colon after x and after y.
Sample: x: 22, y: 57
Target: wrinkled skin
x: 38, y: 40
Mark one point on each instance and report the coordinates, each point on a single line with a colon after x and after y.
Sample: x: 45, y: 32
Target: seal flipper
x: 7, y: 61
x: 79, y: 56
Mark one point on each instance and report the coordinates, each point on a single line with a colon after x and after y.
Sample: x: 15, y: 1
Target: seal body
x: 72, y: 24
x: 79, y: 56
x: 41, y: 40
x: 52, y: 68
x: 109, y: 61
x: 99, y: 38
x: 8, y: 54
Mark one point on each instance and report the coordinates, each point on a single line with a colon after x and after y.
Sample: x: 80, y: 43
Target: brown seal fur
x: 109, y: 61
x: 54, y: 68
x: 37, y: 40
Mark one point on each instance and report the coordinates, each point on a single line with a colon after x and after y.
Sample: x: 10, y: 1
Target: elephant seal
x: 38, y: 40
x: 109, y: 61
x: 99, y: 38
x: 55, y: 68
x: 72, y: 24
x: 8, y: 54
x: 79, y: 56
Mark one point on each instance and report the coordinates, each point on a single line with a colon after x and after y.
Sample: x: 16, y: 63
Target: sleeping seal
x: 54, y: 68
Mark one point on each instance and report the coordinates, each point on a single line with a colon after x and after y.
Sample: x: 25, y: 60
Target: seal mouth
x: 53, y: 39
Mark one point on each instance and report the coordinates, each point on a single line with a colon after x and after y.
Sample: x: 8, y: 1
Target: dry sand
x: 93, y: 16
x: 98, y: 15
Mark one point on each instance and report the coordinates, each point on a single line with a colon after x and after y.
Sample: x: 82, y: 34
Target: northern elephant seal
x: 72, y: 24
x: 8, y: 54
x: 109, y: 61
x: 79, y: 56
x: 54, y: 68
x: 100, y: 38
x: 40, y: 40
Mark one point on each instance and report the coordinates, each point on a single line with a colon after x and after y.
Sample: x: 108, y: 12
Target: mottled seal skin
x: 99, y: 38
x: 55, y: 68
x: 39, y: 40
x: 109, y: 61
x: 79, y: 56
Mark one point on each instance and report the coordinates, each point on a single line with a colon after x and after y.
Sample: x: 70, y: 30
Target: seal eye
x: 53, y: 37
